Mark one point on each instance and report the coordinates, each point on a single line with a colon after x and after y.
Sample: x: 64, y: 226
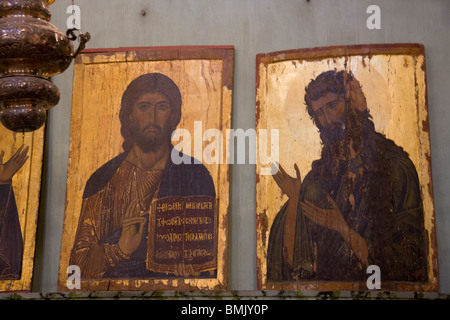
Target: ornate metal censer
x: 31, y: 51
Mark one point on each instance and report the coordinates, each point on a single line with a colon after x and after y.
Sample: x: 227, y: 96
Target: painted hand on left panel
x: 11, y: 243
x: 10, y: 167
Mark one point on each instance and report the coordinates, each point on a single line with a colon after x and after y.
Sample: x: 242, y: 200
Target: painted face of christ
x: 150, y: 120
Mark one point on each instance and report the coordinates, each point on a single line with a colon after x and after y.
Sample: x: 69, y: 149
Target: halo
x: 373, y: 85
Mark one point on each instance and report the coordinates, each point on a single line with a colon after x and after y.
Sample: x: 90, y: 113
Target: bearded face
x: 335, y: 132
x: 338, y: 106
x: 150, y: 143
x: 330, y: 116
x: 151, y: 121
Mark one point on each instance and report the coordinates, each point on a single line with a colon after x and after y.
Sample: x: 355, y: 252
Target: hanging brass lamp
x: 31, y: 51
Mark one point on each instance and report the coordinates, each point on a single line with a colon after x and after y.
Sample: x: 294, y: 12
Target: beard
x: 151, y: 143
x: 339, y: 138
x: 334, y: 138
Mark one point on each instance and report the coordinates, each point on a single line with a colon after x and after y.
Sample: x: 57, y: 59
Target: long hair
x: 150, y: 82
x: 360, y: 130
x: 358, y: 123
x: 329, y: 81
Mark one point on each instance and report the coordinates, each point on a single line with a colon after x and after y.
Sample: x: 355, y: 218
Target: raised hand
x: 10, y: 167
x: 289, y: 185
x: 132, y: 229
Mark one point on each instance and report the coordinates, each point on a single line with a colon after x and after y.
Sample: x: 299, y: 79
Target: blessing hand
x: 10, y: 167
x: 132, y: 229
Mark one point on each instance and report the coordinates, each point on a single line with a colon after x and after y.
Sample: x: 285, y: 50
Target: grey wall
x: 252, y: 26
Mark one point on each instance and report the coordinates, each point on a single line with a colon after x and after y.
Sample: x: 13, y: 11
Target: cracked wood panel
x: 26, y: 184
x: 393, y: 79
x: 204, y: 76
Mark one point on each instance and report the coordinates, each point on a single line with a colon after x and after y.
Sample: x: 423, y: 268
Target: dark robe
x: 11, y: 243
x: 108, y: 192
x: 379, y: 198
